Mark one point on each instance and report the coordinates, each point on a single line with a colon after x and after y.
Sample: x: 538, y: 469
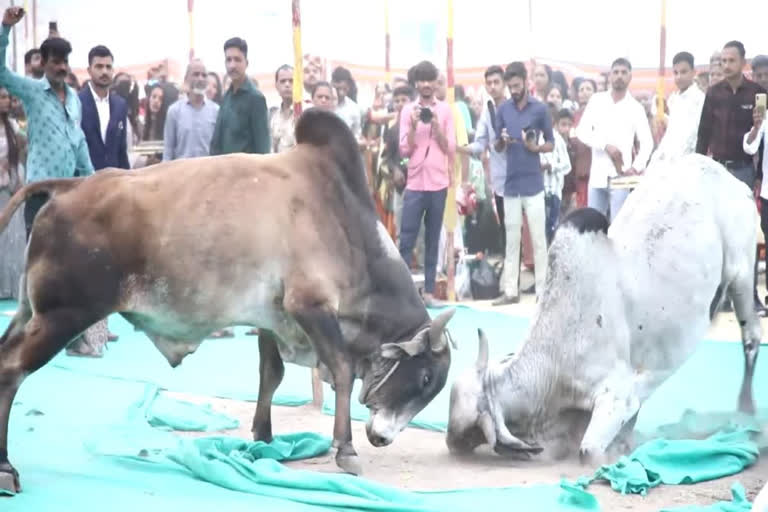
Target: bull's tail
x: 49, y: 187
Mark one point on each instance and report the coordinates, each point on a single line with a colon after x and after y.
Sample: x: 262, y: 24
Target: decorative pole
x: 13, y: 56
x: 387, y: 69
x: 450, y: 218
x: 191, y: 16
x: 298, y: 68
x: 34, y: 23
x: 661, y: 90
x: 298, y: 89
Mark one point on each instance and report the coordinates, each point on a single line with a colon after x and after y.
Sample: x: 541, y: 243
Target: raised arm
x: 17, y: 85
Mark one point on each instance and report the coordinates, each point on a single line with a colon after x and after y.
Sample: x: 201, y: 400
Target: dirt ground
x: 419, y: 459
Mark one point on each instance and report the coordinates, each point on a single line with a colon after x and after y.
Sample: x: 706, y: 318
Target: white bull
x: 622, y: 310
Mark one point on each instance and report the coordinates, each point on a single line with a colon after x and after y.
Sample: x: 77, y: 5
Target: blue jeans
x: 552, y: 206
x: 427, y: 205
x: 602, y: 198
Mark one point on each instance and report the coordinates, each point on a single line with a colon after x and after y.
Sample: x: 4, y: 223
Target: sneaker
x: 506, y: 300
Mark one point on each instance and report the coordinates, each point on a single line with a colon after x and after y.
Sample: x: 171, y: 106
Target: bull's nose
x: 378, y: 441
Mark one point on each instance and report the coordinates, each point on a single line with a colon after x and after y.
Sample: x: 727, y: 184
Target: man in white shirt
x: 609, y: 126
x: 346, y: 108
x: 684, y: 112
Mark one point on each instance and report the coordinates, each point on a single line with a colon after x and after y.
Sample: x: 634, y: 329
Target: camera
x: 425, y: 115
x: 530, y: 134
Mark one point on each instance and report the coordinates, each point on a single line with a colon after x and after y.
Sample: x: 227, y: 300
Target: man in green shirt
x: 243, y: 122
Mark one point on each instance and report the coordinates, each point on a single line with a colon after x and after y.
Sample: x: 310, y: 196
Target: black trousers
x: 31, y: 207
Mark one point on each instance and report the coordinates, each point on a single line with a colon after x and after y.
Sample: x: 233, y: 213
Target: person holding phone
x: 755, y: 139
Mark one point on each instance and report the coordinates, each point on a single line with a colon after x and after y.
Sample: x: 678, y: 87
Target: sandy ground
x: 419, y: 460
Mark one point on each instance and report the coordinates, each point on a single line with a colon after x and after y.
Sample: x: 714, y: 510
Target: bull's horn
x: 482, y: 352
x: 436, y: 339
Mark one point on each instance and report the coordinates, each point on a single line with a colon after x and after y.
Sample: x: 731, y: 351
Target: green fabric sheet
x: 675, y: 462
x: 90, y: 432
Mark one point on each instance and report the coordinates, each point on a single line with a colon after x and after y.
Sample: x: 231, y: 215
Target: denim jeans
x: 427, y: 205
x: 552, y: 205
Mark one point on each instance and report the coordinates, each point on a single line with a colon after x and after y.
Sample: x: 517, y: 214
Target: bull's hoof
x: 9, y: 479
x: 746, y: 406
x: 348, y: 461
x: 263, y: 434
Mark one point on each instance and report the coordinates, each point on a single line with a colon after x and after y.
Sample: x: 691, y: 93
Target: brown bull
x: 287, y: 243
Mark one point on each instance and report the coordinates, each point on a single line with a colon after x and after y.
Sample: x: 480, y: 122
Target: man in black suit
x: 104, y: 120
x: 104, y: 115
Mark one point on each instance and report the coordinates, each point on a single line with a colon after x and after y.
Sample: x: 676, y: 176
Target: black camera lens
x: 425, y: 115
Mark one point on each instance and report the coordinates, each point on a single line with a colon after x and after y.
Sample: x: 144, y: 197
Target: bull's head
x: 404, y: 379
x: 475, y: 416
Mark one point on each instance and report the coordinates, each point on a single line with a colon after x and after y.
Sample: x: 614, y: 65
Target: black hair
x: 459, y: 93
x: 12, y: 141
x: 558, y: 77
x: 424, y: 71
x: 404, y: 90
x: 217, y: 98
x: 548, y: 70
x: 683, y: 57
x: 238, y: 43
x: 55, y: 47
x: 739, y: 47
x: 590, y: 80
x: 621, y: 61
x: 284, y: 67
x: 341, y: 74
x: 321, y: 83
x: 516, y: 70
x: 759, y: 61
x: 99, y: 51
x: 564, y: 113
x: 31, y: 53
x: 494, y: 70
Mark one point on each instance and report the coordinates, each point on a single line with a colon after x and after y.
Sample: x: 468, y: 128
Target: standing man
x: 727, y: 115
x: 33, y: 67
x: 282, y: 122
x: 346, y: 109
x: 105, y: 115
x: 427, y: 139
x: 57, y: 147
x: 242, y: 124
x: 684, y: 112
x: 520, y: 122
x: 190, y: 121
x: 611, y: 122
x: 485, y: 137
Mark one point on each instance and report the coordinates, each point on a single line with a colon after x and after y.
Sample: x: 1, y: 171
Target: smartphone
x: 760, y: 103
x: 53, y: 26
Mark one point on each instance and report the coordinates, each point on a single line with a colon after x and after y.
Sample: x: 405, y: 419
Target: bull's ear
x: 436, y: 339
x: 482, y: 352
x: 408, y: 348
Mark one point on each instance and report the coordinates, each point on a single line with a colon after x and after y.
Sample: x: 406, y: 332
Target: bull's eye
x: 425, y: 380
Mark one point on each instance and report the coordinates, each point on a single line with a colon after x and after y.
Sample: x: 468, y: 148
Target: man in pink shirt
x: 428, y: 140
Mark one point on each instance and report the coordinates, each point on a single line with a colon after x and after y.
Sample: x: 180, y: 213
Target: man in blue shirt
x: 520, y: 122
x: 57, y: 146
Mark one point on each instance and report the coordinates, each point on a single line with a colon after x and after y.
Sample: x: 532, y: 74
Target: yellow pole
x: 298, y: 64
x: 387, y: 50
x: 660, y: 88
x: 190, y: 13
